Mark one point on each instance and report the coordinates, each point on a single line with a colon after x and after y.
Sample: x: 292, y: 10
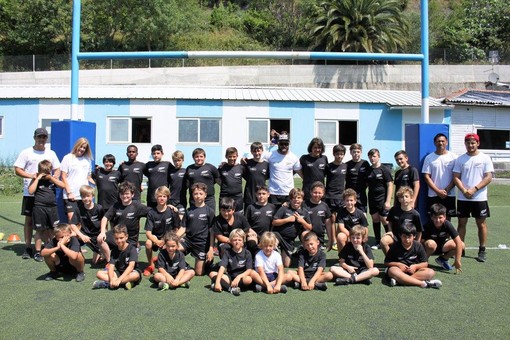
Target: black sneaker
x: 258, y: 288
x: 482, y: 256
x: 38, y: 257
x: 51, y: 276
x: 28, y: 253
x: 342, y: 281
x: 80, y: 277
x: 321, y: 286
x: 235, y: 291
x: 283, y: 289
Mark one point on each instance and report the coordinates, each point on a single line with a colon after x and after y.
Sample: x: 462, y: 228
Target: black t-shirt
x: 107, y: 187
x: 349, y: 220
x: 198, y: 221
x: 356, y: 177
x: 221, y: 226
x: 44, y: 195
x: 231, y: 180
x: 377, y: 180
x: 121, y: 258
x: 133, y: 172
x: 397, y: 253
x: 335, y: 180
x: 353, y: 258
x: 171, y: 265
x: 290, y: 230
x: 129, y: 216
x: 397, y: 217
x: 439, y: 235
x: 88, y: 219
x: 319, y: 213
x: 74, y: 245
x: 255, y: 174
x: 311, y: 263
x: 161, y: 222
x: 157, y: 175
x: 405, y: 178
x: 177, y: 186
x: 236, y: 263
x: 260, y: 217
x: 207, y: 174
x: 314, y: 169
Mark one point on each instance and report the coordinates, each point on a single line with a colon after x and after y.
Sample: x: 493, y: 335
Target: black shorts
x: 449, y: 202
x: 65, y: 267
x: 27, y: 205
x: 44, y: 218
x: 92, y: 244
x: 440, y: 244
x: 334, y: 204
x: 377, y: 207
x: 474, y: 209
x: 134, y: 270
x: 71, y: 206
x: 197, y: 250
x: 286, y: 245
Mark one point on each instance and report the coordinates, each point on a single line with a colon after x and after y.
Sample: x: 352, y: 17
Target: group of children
x: 247, y: 243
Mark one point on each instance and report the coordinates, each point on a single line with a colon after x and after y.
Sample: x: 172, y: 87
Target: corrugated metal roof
x: 391, y: 98
x: 479, y: 97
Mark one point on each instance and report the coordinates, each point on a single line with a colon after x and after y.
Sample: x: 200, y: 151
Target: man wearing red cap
x: 472, y: 173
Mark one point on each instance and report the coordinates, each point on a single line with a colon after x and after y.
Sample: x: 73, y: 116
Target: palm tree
x: 376, y: 26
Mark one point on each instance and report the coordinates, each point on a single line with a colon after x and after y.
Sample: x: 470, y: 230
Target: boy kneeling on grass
x: 63, y: 254
x: 123, y: 266
x: 407, y: 261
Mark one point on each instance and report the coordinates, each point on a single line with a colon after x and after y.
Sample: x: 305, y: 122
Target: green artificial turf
x: 471, y: 305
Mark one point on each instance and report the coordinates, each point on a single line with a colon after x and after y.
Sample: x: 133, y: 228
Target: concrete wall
x: 444, y: 79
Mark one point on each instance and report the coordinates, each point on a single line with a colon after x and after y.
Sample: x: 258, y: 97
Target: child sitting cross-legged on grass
x: 235, y: 266
x: 173, y: 271
x: 269, y: 265
x: 407, y: 261
x: 356, y: 260
x: 123, y: 266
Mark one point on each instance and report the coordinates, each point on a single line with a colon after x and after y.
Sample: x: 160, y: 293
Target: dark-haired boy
x: 156, y: 172
x: 406, y: 262
x: 132, y: 171
x: 107, y: 182
x: 231, y: 178
x: 202, y: 172
x: 256, y: 173
x: 440, y: 237
x: 228, y: 220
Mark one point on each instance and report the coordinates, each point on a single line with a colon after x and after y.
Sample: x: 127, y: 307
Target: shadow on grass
x: 17, y: 248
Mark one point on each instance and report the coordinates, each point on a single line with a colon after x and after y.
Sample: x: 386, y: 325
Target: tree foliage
x: 361, y: 26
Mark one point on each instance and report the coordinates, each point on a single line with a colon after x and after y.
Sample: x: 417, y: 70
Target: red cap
x: 472, y: 136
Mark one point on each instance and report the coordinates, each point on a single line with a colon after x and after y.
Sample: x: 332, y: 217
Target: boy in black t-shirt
x: 406, y: 262
x: 202, y: 172
x: 62, y: 254
x: 156, y: 172
x: 441, y: 237
x: 176, y: 183
x: 347, y: 217
x: 311, y: 266
x: 173, y: 271
x: 160, y: 220
x: 132, y: 171
x: 123, y: 266
x: 197, y: 224
x: 356, y: 176
x: 236, y: 267
x: 256, y: 173
x: 289, y: 222
x: 86, y: 223
x: 126, y: 212
x: 226, y: 221
x: 356, y: 260
x: 44, y: 213
x: 231, y: 177
x: 398, y: 216
x: 107, y: 182
x: 259, y: 216
x: 320, y: 214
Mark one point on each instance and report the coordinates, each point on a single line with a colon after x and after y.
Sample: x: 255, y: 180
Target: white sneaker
x: 434, y: 284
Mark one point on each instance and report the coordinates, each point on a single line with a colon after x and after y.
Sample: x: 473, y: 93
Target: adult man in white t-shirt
x: 472, y: 173
x: 438, y: 174
x: 26, y: 166
x: 282, y: 165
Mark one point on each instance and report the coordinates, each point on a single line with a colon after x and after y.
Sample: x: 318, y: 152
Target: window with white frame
x: 259, y: 130
x: 1, y: 126
x: 337, y: 131
x: 129, y: 129
x: 199, y: 130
